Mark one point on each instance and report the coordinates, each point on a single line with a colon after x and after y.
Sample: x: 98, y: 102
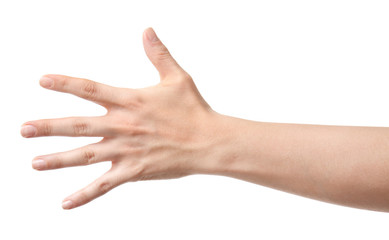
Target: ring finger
x: 71, y: 126
x: 90, y: 154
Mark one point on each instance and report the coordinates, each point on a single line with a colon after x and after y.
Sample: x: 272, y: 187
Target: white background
x: 320, y: 62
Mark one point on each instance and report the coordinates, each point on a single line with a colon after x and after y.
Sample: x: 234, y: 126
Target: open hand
x: 150, y: 133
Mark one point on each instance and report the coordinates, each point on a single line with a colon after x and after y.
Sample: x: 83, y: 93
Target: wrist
x: 225, y: 146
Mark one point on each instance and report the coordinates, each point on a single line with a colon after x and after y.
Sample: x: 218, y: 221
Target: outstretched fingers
x: 94, y: 190
x: 90, y: 154
x: 70, y: 126
x: 97, y: 92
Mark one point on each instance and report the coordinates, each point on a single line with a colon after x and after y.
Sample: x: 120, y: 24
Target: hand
x: 157, y: 132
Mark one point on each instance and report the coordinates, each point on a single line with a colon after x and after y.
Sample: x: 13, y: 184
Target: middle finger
x: 70, y: 126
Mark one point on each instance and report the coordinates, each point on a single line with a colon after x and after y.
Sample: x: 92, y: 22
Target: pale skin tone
x: 169, y: 131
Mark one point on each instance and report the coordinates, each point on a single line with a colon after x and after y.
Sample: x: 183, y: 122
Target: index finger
x: 97, y: 92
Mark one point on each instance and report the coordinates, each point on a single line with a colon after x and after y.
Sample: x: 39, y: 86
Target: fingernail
x: 39, y: 164
x: 46, y: 82
x: 151, y: 36
x: 28, y: 131
x: 67, y: 204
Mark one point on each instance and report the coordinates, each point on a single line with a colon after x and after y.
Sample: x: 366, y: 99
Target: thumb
x: 159, y: 55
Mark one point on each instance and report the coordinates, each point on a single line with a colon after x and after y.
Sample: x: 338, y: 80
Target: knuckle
x: 184, y: 79
x: 89, y: 156
x: 134, y: 130
x: 63, y: 82
x: 129, y: 127
x: 130, y: 150
x: 90, y: 89
x: 46, y: 128
x: 181, y: 79
x: 163, y: 54
x: 80, y: 128
x: 104, y: 186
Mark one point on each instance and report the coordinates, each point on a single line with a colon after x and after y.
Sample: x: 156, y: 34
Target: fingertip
x: 46, y: 81
x: 28, y: 130
x: 67, y: 204
x: 150, y: 35
x: 144, y: 32
x: 159, y: 55
x: 39, y: 164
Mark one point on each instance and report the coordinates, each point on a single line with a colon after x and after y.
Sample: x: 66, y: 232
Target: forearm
x: 338, y: 164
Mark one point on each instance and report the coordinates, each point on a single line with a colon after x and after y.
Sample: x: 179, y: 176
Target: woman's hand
x: 169, y: 131
x: 150, y: 133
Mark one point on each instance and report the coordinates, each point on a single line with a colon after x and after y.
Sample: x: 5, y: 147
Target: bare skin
x: 169, y: 131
